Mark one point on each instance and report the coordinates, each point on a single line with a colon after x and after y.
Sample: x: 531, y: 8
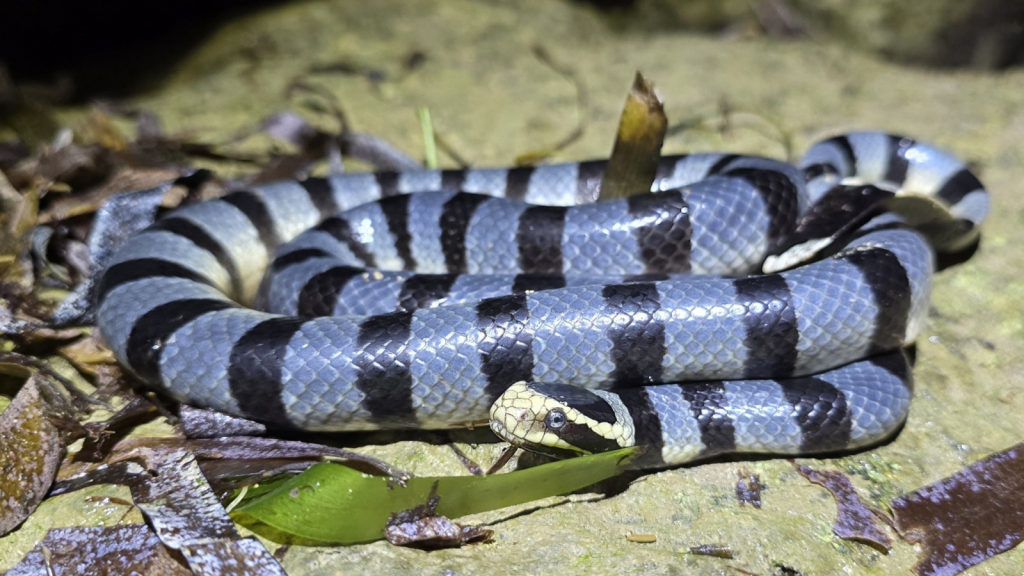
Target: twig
x: 582, y: 108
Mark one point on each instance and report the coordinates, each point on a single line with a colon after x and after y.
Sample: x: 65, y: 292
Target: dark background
x: 86, y: 49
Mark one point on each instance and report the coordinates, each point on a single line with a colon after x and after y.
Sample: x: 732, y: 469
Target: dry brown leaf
x: 32, y: 444
x: 88, y: 201
x: 130, y: 549
x: 855, y: 521
x: 968, y: 517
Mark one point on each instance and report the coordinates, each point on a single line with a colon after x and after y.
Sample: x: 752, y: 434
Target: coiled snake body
x: 398, y: 310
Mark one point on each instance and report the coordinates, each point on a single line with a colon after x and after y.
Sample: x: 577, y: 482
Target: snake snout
x: 513, y: 415
x: 509, y: 422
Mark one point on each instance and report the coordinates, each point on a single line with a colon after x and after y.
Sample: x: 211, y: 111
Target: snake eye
x: 555, y: 419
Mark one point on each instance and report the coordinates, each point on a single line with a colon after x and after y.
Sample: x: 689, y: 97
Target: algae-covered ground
x: 492, y: 99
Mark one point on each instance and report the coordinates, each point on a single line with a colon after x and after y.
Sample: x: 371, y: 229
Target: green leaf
x: 333, y: 504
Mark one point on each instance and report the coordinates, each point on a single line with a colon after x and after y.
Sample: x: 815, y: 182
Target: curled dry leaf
x: 434, y: 532
x: 634, y: 160
x: 855, y: 521
x: 421, y: 527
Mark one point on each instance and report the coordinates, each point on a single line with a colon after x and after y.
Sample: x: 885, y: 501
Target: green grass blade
x: 334, y: 504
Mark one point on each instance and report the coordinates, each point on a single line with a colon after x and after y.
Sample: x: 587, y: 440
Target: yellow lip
x: 500, y: 431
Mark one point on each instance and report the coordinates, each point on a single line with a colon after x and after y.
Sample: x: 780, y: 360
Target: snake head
x: 561, y: 420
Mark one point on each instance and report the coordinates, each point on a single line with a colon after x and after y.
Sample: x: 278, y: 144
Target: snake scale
x: 417, y: 299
